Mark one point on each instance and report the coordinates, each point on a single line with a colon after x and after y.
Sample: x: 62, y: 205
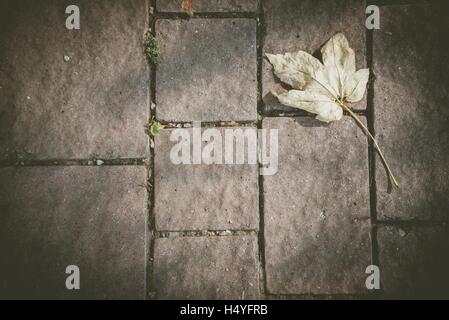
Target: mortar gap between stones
x: 205, y: 15
x: 411, y: 223
x: 73, y: 162
x: 260, y: 38
x: 207, y: 124
x: 203, y: 233
x: 371, y: 152
x: 311, y: 296
x: 150, y: 290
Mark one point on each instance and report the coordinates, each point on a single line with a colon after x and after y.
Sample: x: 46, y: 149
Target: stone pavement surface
x: 208, y: 197
x: 209, y: 6
x: 417, y: 253
x: 209, y: 67
x: 82, y: 183
x: 92, y: 217
x: 207, y: 267
x: 73, y: 94
x: 413, y: 79
x: 305, y: 227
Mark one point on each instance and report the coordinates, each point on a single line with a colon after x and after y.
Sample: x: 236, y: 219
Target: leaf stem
x: 376, y: 145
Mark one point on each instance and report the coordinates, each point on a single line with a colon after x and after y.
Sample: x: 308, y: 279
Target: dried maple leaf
x: 186, y: 5
x: 325, y: 89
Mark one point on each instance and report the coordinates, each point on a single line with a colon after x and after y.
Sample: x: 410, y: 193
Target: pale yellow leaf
x: 325, y: 89
x: 328, y: 79
x: 322, y: 88
x: 337, y: 54
x: 295, y: 69
x: 314, y: 101
x: 355, y: 85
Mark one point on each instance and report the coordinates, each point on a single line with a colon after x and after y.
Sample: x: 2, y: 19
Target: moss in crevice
x: 151, y: 48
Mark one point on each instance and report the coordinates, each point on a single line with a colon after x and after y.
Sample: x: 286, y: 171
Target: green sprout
x: 151, y: 46
x: 155, y: 127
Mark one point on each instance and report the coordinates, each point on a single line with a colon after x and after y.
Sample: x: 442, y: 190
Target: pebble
x: 323, y: 214
x: 99, y: 162
x: 402, y: 233
x: 66, y: 58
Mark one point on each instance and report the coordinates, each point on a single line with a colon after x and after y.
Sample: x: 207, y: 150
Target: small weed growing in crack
x: 155, y: 127
x: 151, y: 48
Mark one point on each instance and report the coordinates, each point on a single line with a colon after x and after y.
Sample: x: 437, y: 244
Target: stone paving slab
x: 316, y: 209
x: 203, y: 197
x: 95, y: 104
x: 293, y: 25
x: 206, y: 268
x: 411, y: 112
x: 207, y: 70
x: 92, y: 217
x: 414, y: 262
x: 209, y: 5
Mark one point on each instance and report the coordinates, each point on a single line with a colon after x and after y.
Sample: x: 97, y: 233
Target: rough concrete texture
x: 209, y: 5
x: 317, y: 229
x: 414, y: 262
x: 92, y: 217
x: 206, y: 268
x: 207, y: 70
x: 293, y: 25
x: 73, y: 93
x: 203, y: 197
x: 411, y: 111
